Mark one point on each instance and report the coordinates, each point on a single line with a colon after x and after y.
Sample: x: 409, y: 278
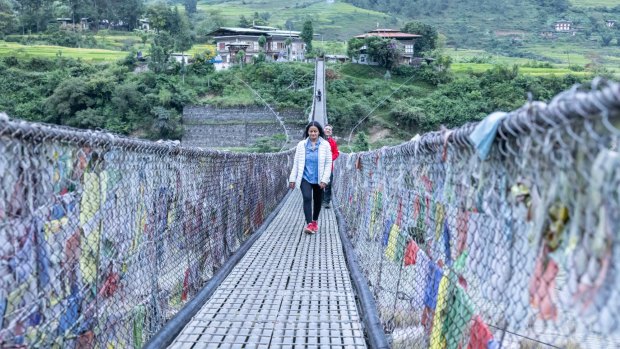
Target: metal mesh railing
x: 521, y: 250
x: 103, y: 239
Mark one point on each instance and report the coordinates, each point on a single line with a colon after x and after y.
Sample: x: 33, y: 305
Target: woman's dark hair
x: 317, y: 125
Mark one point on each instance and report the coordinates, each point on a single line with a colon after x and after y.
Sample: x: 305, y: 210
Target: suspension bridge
x: 498, y: 234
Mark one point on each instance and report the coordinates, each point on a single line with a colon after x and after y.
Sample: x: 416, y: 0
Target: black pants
x: 309, y: 192
x: 327, y: 197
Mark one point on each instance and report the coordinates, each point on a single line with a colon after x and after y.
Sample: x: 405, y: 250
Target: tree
x: 353, y: 47
x: 240, y: 57
x: 606, y: 39
x: 183, y: 39
x: 384, y: 51
x: 429, y: 34
x: 361, y: 142
x: 160, y: 52
x: 260, y: 58
x: 288, y: 43
x: 557, y: 6
x: 159, y: 14
x: 269, y: 144
x: 243, y: 22
x: 180, y: 31
x: 261, y: 19
x: 79, y: 9
x: 34, y: 15
x: 190, y: 6
x: 71, y: 96
x: 307, y: 33
x: 441, y: 62
x: 8, y: 21
x: 128, y: 11
x: 262, y: 41
x: 166, y: 124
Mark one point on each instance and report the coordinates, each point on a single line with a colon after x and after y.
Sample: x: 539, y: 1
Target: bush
x: 69, y: 38
x: 269, y: 144
x: 424, y: 73
x: 577, y: 68
x: 408, y: 115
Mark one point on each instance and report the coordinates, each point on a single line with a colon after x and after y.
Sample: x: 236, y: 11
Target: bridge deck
x: 291, y: 290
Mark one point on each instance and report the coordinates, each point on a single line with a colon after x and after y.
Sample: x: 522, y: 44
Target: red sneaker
x: 315, y: 226
x: 308, y: 228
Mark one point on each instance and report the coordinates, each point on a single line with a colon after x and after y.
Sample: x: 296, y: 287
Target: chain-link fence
x: 103, y: 239
x: 520, y: 250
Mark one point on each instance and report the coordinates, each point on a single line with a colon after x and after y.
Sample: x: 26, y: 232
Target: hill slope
x: 465, y: 23
x: 335, y: 21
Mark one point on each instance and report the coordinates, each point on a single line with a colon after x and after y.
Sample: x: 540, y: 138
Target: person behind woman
x: 327, y: 196
x: 311, y: 171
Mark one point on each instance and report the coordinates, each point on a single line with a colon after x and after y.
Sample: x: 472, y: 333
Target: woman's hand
x: 291, y: 185
x: 322, y: 185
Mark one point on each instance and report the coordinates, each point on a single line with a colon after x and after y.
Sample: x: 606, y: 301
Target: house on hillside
x: 610, y: 23
x: 67, y: 23
x: 180, y: 57
x: 547, y: 34
x: 85, y: 23
x: 144, y: 24
x: 336, y: 58
x: 113, y: 25
x: 405, y: 42
x: 64, y: 23
x: 230, y: 40
x: 563, y: 26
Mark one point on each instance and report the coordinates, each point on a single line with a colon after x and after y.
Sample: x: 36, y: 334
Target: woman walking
x: 312, y: 168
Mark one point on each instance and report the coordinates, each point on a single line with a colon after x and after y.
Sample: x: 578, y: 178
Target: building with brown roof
x: 230, y: 40
x: 405, y: 42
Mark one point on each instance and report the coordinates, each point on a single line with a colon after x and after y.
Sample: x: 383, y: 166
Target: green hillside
x: 595, y: 3
x: 504, y: 28
x: 335, y: 21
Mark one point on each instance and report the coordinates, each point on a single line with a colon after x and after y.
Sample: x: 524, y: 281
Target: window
x: 408, y: 48
x: 222, y: 46
x: 280, y: 45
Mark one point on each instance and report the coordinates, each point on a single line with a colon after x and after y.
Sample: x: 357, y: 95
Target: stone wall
x: 210, y: 127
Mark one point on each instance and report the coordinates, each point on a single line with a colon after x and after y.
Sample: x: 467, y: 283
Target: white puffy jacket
x: 325, y: 162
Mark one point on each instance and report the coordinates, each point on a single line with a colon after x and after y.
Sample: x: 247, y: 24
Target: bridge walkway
x: 291, y: 290
x: 319, y: 106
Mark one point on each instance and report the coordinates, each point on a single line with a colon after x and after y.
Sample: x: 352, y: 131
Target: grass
x: 120, y: 42
x: 331, y: 47
x: 87, y: 54
x: 562, y: 55
x: 49, y: 51
x: 583, y: 55
x: 335, y: 21
x: 461, y: 68
x: 465, y: 56
x: 199, y: 48
x: 242, y: 97
x: 577, y: 53
x: 368, y: 72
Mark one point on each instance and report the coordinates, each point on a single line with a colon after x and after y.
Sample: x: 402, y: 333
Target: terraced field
x: 88, y: 54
